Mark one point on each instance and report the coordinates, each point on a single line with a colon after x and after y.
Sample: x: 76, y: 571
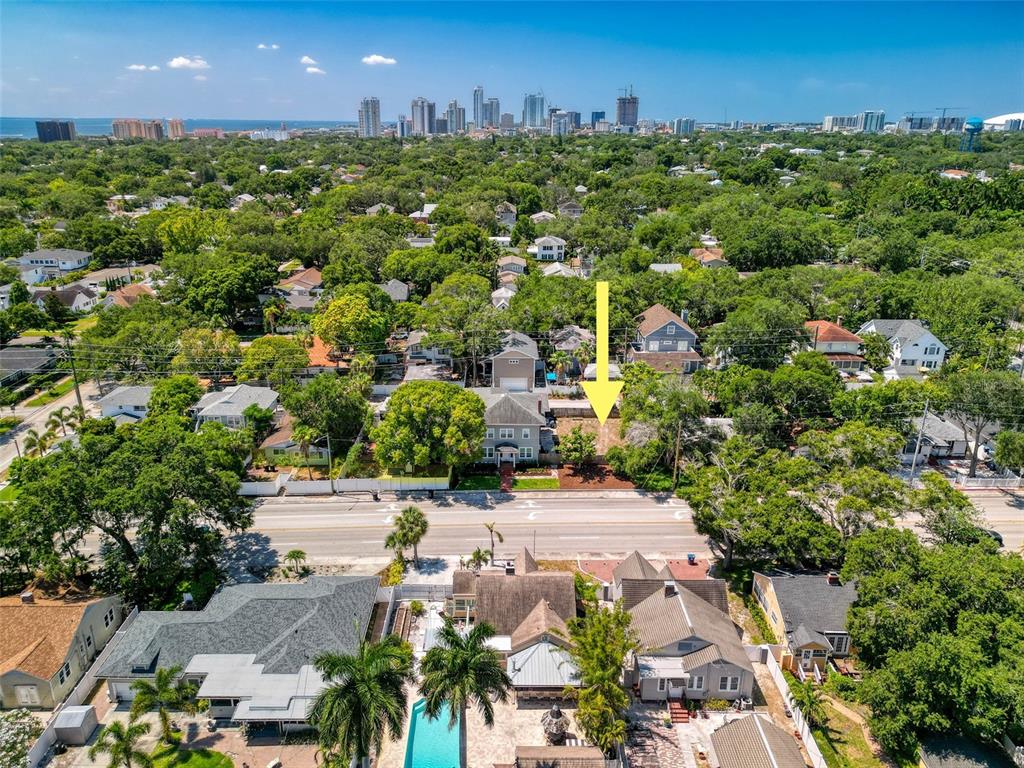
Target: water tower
x: 972, y: 127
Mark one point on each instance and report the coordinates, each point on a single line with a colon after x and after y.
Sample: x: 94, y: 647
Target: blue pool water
x: 431, y: 744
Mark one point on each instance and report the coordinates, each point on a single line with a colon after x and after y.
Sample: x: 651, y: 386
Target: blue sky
x: 753, y: 61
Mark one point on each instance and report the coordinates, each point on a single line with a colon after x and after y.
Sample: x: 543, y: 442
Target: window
x: 775, y: 619
x: 490, y: 433
x: 932, y: 350
x: 696, y: 683
x: 908, y: 362
x: 652, y: 346
x: 840, y: 643
x: 930, y: 363
x: 488, y: 452
x: 526, y: 433
x: 661, y: 684
x: 506, y: 433
x: 526, y: 453
x: 670, y: 329
x: 684, y: 647
x: 65, y: 673
x: 108, y: 618
x: 513, y: 362
x: 88, y: 641
x: 728, y: 683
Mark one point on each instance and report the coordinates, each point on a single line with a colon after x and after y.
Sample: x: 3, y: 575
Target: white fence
x: 429, y: 592
x: 296, y: 487
x: 264, y: 487
x: 1008, y: 481
x: 798, y: 717
x: 79, y: 695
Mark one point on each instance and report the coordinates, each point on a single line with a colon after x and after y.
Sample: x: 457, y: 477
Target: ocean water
x: 25, y: 127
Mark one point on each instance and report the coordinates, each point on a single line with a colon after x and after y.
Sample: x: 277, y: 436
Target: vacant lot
x: 607, y: 435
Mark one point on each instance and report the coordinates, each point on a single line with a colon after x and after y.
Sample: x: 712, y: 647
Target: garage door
x: 123, y: 691
x: 513, y: 385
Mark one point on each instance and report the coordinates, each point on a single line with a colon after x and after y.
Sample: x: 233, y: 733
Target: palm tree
x: 305, y: 436
x: 76, y: 417
x: 561, y: 362
x: 463, y: 670
x: 165, y: 691
x: 296, y: 557
x: 364, y: 699
x: 272, y: 312
x: 120, y: 741
x: 36, y: 443
x: 807, y: 697
x: 410, y: 527
x: 364, y: 363
x: 479, y: 558
x: 491, y: 529
x: 584, y: 354
x: 60, y: 418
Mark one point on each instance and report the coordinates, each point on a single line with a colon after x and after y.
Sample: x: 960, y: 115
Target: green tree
x: 167, y: 691
x: 174, y: 395
x: 979, y: 398
x: 430, y: 422
x: 296, y: 557
x: 208, y: 353
x: 808, y: 698
x: 494, y: 533
x: 947, y: 514
x: 273, y: 359
x: 121, y: 742
x: 410, y: 527
x: 877, y: 351
x: 364, y: 701
x: 37, y: 443
x: 460, y: 671
x: 561, y: 362
x: 305, y: 437
x: 348, y: 323
x: 760, y: 332
x: 59, y: 419
x: 331, y: 405
x: 1010, y: 449
x: 19, y: 729
x: 578, y: 447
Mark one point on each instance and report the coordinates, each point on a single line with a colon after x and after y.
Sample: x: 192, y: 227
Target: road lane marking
x: 579, y: 537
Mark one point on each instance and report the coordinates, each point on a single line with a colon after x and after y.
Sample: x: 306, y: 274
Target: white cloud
x: 188, y: 62
x: 268, y: 46
x: 315, y: 71
x: 307, y: 60
x: 375, y: 58
x: 143, y: 68
x: 200, y: 78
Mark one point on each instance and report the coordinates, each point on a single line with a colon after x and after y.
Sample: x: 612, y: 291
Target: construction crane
x: 942, y: 119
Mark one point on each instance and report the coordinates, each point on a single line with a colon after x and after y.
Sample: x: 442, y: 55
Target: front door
x: 805, y: 659
x: 27, y: 695
x: 674, y: 691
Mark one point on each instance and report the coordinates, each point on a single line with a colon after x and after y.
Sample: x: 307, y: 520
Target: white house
x: 56, y: 261
x: 548, y: 248
x: 228, y: 406
x: 914, y: 350
x: 542, y: 216
x: 125, y: 403
x: 74, y: 297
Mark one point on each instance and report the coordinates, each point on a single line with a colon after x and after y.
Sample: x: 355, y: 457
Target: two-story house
x: 570, y: 209
x: 55, y: 262
x: 665, y: 342
x: 513, y: 421
x: 807, y: 612
x: 913, y: 349
x: 506, y: 214
x: 690, y: 650
x: 125, y: 404
x: 302, y: 290
x: 419, y: 350
x: 517, y: 366
x: 840, y: 347
x: 512, y: 263
x: 548, y: 248
x: 569, y: 340
x: 47, y: 645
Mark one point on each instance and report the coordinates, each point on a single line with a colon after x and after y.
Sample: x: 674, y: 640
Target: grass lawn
x: 81, y: 324
x: 7, y: 423
x: 479, y: 483
x: 843, y: 745
x: 168, y: 756
x: 8, y: 493
x: 534, y: 483
x: 55, y: 392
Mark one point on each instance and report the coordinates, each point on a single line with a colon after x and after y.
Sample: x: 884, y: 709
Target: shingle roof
x: 827, y: 331
x: 505, y: 601
x: 58, y: 253
x: 904, y: 330
x: 306, y: 279
x: 127, y: 396
x: 66, y: 296
x: 284, y: 625
x: 810, y: 600
x: 519, y: 343
x: 36, y: 636
x: 569, y: 338
x: 396, y: 289
x: 233, y: 400
x: 542, y: 620
x: 636, y: 566
x: 755, y: 742
x: 512, y: 259
x: 525, y: 562
x: 509, y: 408
x: 658, y: 316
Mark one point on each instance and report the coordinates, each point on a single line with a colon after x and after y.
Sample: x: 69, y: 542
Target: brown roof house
x: 689, y: 649
x: 47, y: 645
x: 635, y: 579
x: 528, y: 609
x: 712, y: 258
x: 838, y: 345
x: 128, y: 295
x: 756, y: 742
x: 665, y: 342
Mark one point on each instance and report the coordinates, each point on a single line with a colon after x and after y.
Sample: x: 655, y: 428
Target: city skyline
x: 85, y: 60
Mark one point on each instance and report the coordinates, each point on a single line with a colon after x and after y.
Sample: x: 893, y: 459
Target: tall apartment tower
x: 456, y: 117
x: 627, y: 109
x: 153, y: 129
x: 595, y: 118
x: 478, y: 107
x: 55, y: 130
x: 127, y: 128
x: 403, y: 126
x: 683, y: 125
x: 871, y: 121
x: 492, y: 113
x: 422, y: 116
x: 369, y: 117
x: 176, y: 128
x: 534, y: 115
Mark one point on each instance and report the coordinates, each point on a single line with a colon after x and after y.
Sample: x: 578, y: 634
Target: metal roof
x: 542, y: 665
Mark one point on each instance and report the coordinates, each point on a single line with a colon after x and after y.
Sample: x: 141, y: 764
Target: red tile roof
x: 827, y: 331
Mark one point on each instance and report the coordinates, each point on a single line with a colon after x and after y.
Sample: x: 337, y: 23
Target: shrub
x: 717, y: 705
x: 393, y: 574
x: 416, y: 608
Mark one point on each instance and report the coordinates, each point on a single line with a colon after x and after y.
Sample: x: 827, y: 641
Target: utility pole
x: 74, y: 370
x: 917, y: 447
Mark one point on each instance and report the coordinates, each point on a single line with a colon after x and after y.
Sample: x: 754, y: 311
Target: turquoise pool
x: 431, y: 744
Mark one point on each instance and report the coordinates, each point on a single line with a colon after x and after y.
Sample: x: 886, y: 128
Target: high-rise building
x: 595, y: 118
x: 627, y: 109
x: 683, y: 126
x: 949, y: 124
x: 478, y: 107
x: 456, y: 117
x: 127, y: 128
x: 533, y: 110
x: 153, y: 129
x: 507, y: 122
x: 440, y: 125
x: 560, y: 123
x: 871, y: 121
x: 914, y: 124
x: 175, y: 128
x: 369, y: 117
x: 835, y: 123
x: 403, y: 126
x: 492, y: 114
x: 423, y: 117
x: 55, y: 130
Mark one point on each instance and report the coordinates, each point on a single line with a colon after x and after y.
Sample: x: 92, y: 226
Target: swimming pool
x: 431, y: 744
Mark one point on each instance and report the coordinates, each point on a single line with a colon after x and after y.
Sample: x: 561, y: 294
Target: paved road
x: 36, y: 418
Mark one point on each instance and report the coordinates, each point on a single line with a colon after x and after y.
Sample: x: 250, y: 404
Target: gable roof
x: 542, y: 665
x: 128, y: 295
x: 755, y: 742
x: 569, y: 338
x: 37, y: 636
x: 704, y: 255
x: 542, y: 620
x: 395, y: 289
x: 512, y: 259
x: 519, y: 343
x: 285, y: 626
x: 233, y: 400
x: 137, y: 395
x: 658, y: 316
x: 504, y: 602
x: 549, y: 240
x: 66, y: 296
x: 307, y: 279
x: 902, y: 330
x: 810, y: 600
x: 525, y: 562
x: 826, y: 331
x: 509, y: 408
x: 636, y: 566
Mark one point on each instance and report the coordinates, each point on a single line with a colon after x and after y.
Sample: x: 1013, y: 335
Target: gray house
x: 690, y: 649
x: 514, y: 421
x: 228, y: 406
x: 506, y: 214
x: 665, y: 342
x: 569, y: 340
x: 914, y: 350
x: 419, y: 350
x: 251, y: 649
x: 126, y: 404
x: 518, y: 366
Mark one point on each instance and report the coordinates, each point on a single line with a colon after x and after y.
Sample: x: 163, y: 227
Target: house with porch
x: 839, y: 346
x: 513, y: 422
x: 280, y: 448
x: 690, y: 650
x: 807, y: 612
x: 665, y: 341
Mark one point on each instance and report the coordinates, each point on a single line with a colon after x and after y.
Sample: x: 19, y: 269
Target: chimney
x: 833, y: 579
x: 685, y: 315
x: 27, y: 598
x: 670, y: 589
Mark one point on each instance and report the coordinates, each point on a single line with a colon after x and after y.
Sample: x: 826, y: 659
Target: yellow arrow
x: 602, y: 393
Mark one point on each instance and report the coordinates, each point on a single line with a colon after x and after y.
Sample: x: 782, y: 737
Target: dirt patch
x: 557, y: 565
x: 591, y: 477
x: 607, y: 433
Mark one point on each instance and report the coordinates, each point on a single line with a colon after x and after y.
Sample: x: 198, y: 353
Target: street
x: 36, y: 418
